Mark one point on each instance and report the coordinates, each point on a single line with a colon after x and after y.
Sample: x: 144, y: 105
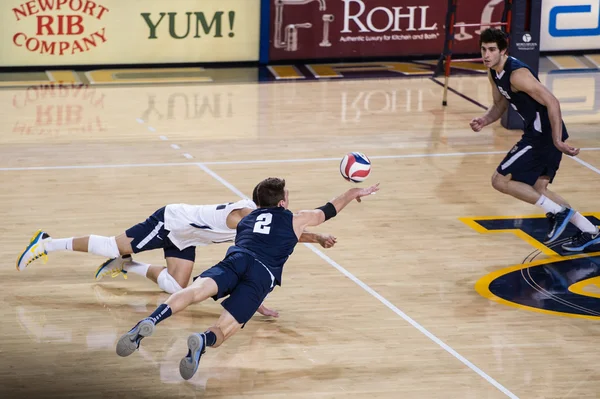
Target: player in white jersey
x: 176, y: 228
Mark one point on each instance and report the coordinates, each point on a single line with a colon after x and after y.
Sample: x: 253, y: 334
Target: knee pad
x: 167, y: 283
x: 103, y: 246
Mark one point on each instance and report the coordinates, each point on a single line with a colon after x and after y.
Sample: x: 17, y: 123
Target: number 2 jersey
x: 268, y: 235
x: 198, y: 225
x: 537, y: 127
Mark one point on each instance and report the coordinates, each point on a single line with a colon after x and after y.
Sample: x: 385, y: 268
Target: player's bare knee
x: 203, y: 287
x: 500, y: 182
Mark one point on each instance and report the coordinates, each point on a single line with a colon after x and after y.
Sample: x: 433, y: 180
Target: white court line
x: 381, y: 299
x: 262, y: 161
x: 412, y: 322
x: 587, y: 165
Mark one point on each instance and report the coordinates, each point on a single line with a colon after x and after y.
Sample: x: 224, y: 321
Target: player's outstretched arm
x: 317, y: 216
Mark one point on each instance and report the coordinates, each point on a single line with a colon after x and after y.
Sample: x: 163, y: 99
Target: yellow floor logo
x: 565, y: 283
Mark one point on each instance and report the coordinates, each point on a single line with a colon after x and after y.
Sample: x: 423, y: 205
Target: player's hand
x: 566, y: 149
x: 326, y: 240
x: 265, y: 311
x: 366, y: 191
x: 477, y: 124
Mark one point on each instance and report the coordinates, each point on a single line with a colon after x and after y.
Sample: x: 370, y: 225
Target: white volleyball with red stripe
x: 355, y: 167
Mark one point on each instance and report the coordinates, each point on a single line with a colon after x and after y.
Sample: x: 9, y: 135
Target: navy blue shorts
x: 247, y: 282
x: 151, y: 234
x: 526, y: 162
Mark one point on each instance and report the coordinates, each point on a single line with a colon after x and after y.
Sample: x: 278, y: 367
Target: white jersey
x: 196, y: 225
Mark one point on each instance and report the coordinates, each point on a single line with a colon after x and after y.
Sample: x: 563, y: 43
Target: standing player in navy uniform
x: 533, y: 162
x: 248, y: 273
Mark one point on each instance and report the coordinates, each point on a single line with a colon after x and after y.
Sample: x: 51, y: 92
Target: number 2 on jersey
x: 262, y: 223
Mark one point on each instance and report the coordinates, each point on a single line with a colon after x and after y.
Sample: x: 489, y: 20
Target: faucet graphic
x: 291, y: 35
x: 277, y: 42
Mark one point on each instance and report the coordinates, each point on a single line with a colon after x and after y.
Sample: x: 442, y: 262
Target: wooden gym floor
x: 391, y: 312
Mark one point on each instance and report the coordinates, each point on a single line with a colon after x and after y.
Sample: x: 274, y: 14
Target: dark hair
x: 494, y: 35
x: 269, y: 192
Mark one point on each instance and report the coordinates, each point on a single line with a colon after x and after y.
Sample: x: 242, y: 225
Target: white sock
x: 548, y: 205
x: 583, y: 224
x: 136, y: 267
x: 59, y: 244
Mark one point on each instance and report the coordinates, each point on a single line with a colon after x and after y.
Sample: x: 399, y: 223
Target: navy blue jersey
x: 538, y: 129
x: 267, y: 234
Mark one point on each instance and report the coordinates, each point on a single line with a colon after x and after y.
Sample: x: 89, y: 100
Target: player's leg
x: 172, y: 278
x: 198, y: 291
x: 541, y: 186
x: 41, y: 244
x: 588, y: 233
x: 216, y: 282
x: 180, y: 264
x: 148, y: 235
x: 242, y: 303
x: 141, y: 237
x: 213, y: 337
x: 517, y: 175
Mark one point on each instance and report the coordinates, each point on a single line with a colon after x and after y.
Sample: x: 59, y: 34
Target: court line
x: 379, y: 297
x: 270, y: 161
x: 587, y: 165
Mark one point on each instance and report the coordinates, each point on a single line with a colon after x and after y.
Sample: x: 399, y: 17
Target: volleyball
x: 355, y: 167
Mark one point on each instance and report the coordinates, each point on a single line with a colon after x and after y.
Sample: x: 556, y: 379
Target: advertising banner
x: 111, y: 32
x: 570, y: 25
x: 322, y: 29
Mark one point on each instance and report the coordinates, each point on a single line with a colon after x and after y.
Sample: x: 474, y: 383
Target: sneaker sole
x: 33, y: 239
x: 561, y: 228
x: 187, y: 366
x: 126, y: 346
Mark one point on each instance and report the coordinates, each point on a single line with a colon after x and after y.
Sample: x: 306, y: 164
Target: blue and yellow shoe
x: 36, y: 249
x: 114, y: 267
x: 196, y: 348
x: 558, y: 224
x: 581, y: 241
x: 130, y: 341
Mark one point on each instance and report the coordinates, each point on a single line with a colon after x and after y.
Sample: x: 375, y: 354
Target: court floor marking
x: 586, y: 164
x: 270, y: 161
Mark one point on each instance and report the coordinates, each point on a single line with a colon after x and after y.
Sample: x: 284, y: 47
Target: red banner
x: 321, y: 29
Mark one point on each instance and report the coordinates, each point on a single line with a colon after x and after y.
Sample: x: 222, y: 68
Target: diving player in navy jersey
x: 532, y: 163
x: 177, y: 229
x: 250, y: 270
